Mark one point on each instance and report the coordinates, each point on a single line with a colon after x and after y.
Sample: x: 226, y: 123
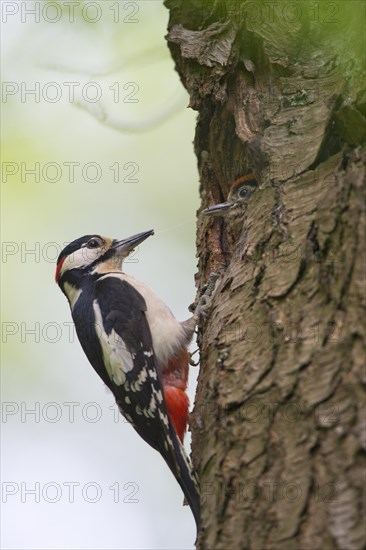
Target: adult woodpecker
x: 135, y: 344
x: 237, y: 200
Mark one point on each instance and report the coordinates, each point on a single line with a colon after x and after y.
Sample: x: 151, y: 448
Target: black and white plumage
x: 128, y: 335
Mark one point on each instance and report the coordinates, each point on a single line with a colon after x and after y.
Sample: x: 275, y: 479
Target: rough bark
x: 278, y: 424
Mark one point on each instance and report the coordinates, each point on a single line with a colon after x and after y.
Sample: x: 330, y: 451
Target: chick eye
x: 93, y: 243
x: 244, y: 192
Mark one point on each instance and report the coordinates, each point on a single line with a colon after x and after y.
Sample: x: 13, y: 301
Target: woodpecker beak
x: 124, y: 247
x: 218, y: 209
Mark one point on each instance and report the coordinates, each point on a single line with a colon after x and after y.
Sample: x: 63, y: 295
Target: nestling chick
x: 237, y: 200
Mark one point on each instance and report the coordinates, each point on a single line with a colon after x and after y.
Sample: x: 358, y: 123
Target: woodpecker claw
x: 203, y: 307
x: 191, y: 360
x: 205, y: 301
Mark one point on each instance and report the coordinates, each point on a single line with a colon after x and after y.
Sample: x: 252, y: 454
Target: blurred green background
x: 74, y: 474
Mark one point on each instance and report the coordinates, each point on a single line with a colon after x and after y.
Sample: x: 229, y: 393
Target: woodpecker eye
x: 94, y: 243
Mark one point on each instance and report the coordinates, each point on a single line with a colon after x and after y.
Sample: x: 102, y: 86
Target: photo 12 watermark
x: 71, y: 92
x: 255, y: 411
x: 51, y: 492
x: 273, y: 10
x: 268, y: 491
x: 29, y: 11
x: 52, y: 412
x: 69, y: 172
x: 48, y: 252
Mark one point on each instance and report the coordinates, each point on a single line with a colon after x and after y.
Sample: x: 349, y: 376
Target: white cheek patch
x: 81, y: 258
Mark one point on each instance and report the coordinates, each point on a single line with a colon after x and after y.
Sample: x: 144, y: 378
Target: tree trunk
x: 278, y: 424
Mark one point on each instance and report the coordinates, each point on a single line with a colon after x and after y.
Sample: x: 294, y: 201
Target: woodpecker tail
x: 182, y: 469
x: 174, y: 381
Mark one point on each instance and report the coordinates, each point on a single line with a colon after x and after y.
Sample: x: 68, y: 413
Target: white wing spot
x: 142, y: 377
x: 164, y: 418
x: 152, y: 405
x: 117, y: 359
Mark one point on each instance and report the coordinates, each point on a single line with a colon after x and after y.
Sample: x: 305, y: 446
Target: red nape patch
x: 58, y: 269
x: 177, y: 404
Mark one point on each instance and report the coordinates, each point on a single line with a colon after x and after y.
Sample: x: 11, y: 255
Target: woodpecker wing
x: 125, y: 358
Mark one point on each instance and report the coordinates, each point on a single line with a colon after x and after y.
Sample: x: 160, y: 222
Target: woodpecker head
x: 93, y: 254
x: 237, y: 200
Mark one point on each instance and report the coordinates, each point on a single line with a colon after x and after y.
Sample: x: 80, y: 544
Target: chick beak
x: 217, y: 209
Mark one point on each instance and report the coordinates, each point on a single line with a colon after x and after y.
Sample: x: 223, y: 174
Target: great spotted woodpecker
x: 239, y: 193
x: 135, y: 344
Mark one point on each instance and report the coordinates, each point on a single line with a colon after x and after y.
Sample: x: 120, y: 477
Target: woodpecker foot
x: 203, y: 306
